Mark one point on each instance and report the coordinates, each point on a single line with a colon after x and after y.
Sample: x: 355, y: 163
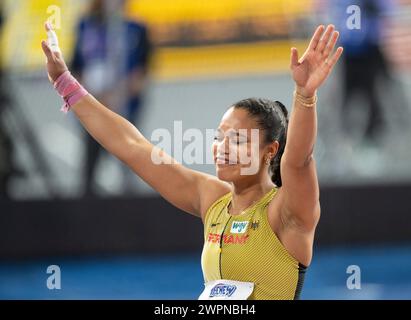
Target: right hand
x: 55, y: 62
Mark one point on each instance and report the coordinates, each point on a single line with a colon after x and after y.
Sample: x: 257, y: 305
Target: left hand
x: 311, y: 70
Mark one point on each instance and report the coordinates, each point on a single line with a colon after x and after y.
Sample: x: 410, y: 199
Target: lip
x: 223, y: 161
x: 225, y: 165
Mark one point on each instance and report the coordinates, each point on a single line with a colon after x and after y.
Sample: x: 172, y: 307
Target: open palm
x: 311, y: 70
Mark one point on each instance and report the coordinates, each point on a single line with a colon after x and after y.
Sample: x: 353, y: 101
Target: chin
x: 224, y: 177
x: 227, y: 173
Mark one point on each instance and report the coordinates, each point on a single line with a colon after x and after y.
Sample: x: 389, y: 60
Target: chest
x: 233, y: 232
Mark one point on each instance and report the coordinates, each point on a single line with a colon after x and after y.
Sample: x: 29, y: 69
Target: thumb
x: 47, y: 50
x: 294, y: 57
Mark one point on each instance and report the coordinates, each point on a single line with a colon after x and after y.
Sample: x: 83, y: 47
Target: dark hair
x: 272, y: 117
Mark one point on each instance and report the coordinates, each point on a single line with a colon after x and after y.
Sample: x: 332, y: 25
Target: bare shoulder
x: 212, y: 189
x: 278, y: 208
x: 275, y: 205
x: 297, y: 240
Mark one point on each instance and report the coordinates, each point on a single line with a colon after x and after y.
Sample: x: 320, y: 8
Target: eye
x: 218, y: 137
x: 238, y: 139
x: 235, y: 140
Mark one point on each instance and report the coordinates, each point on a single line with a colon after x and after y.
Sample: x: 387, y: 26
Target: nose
x: 223, y: 147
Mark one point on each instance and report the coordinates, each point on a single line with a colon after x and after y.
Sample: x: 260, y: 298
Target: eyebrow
x: 237, y: 133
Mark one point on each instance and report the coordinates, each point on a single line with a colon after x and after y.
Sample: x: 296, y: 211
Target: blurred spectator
x: 111, y: 57
x: 363, y: 61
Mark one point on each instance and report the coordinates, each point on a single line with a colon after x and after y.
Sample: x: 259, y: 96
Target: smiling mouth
x: 222, y: 161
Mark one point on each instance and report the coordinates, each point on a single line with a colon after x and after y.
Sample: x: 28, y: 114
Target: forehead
x: 237, y: 118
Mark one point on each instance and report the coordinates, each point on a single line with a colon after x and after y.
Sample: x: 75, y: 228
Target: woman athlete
x: 259, y: 227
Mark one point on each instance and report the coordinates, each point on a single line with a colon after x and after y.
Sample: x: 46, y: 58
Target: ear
x: 272, y: 148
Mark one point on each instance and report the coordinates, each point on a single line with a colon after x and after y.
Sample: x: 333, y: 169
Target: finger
x: 326, y: 37
x: 316, y: 37
x: 52, y: 38
x: 337, y: 54
x: 294, y: 57
x: 331, y: 44
x: 47, y: 51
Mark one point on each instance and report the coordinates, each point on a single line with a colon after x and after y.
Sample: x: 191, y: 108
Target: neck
x: 245, y: 196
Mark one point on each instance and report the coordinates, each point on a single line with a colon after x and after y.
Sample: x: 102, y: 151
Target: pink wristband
x: 69, y: 89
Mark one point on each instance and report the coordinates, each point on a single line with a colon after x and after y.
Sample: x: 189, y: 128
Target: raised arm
x: 300, y: 191
x: 189, y: 190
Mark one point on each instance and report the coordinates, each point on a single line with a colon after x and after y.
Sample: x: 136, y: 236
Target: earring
x: 267, y: 160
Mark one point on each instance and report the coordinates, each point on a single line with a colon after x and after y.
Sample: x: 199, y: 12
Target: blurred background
x: 66, y: 202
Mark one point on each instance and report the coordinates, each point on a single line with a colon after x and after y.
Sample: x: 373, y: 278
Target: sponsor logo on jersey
x: 222, y: 290
x: 239, y: 226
